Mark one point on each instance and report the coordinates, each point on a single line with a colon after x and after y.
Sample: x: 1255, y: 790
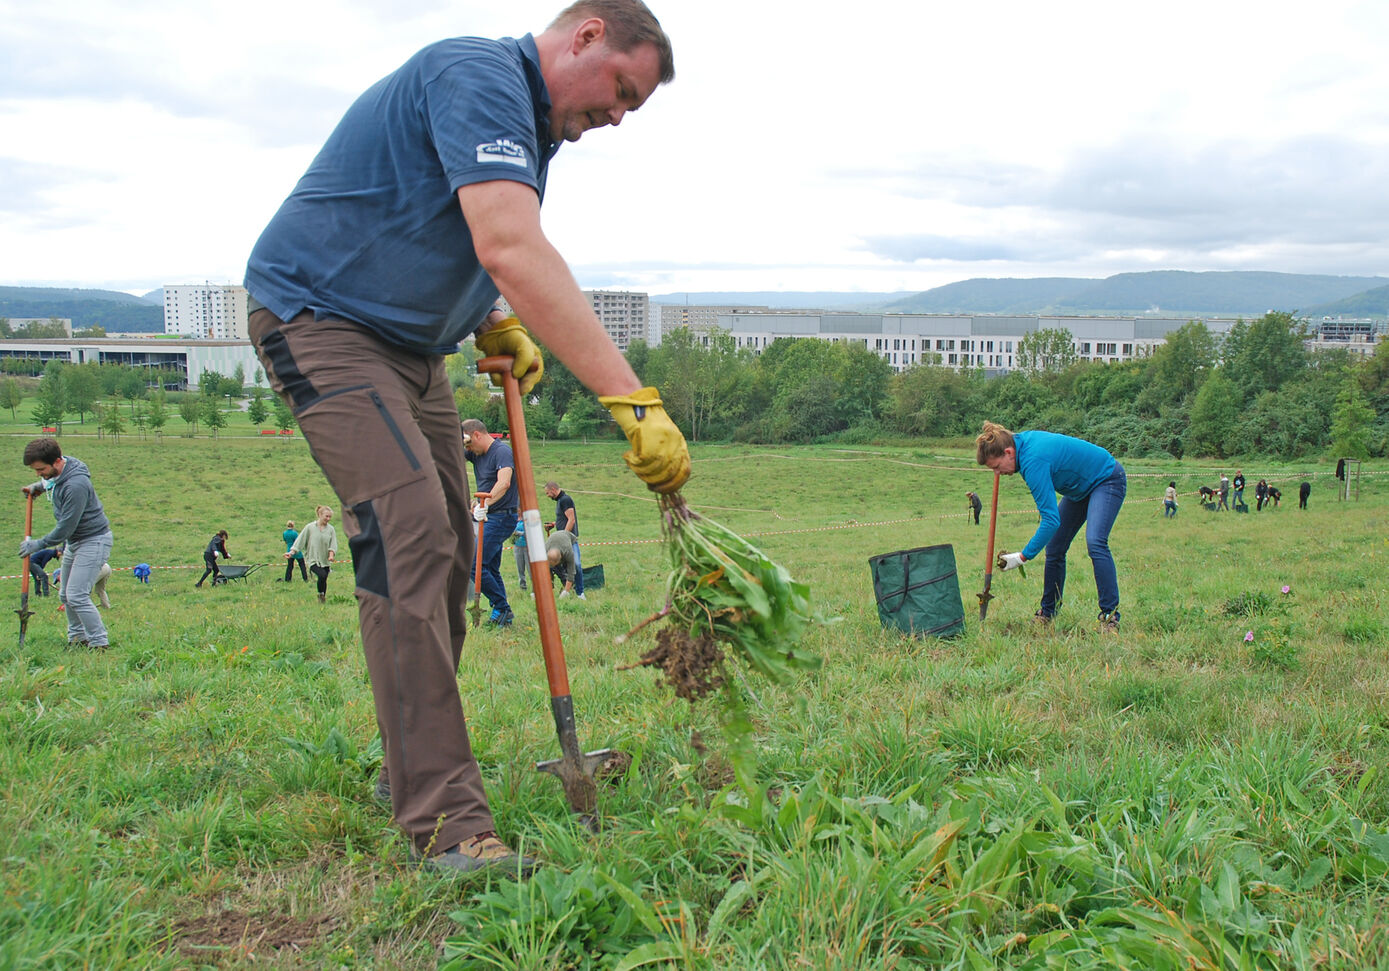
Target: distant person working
x: 567, y: 519
x: 495, y: 468
x: 559, y: 551
x: 975, y: 505
x: 37, y: 562
x: 217, y: 546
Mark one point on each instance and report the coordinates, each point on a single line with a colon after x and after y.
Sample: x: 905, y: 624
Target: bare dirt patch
x: 236, y: 936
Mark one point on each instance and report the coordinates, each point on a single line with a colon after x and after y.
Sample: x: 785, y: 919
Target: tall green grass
x: 1175, y: 797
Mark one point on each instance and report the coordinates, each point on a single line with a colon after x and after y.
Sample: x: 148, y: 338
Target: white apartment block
x: 22, y: 323
x: 625, y: 315
x: 209, y: 311
x: 962, y: 340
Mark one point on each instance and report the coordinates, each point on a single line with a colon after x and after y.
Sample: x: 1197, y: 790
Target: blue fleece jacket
x: 1050, y: 463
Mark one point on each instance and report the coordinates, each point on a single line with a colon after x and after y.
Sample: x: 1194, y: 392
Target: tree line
x: 117, y: 397
x: 1256, y: 391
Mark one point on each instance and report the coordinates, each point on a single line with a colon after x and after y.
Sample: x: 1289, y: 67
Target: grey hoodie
x: 75, y: 506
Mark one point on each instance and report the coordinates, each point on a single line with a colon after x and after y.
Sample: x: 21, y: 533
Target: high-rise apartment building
x: 212, y: 311
x: 626, y: 316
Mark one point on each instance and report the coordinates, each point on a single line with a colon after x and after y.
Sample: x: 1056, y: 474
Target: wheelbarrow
x: 226, y: 573
x: 575, y: 768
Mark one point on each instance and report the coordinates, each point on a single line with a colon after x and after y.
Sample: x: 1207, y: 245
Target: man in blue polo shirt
x: 422, y: 207
x: 494, y: 468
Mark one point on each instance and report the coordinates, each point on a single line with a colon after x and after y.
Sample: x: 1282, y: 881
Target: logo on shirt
x: 502, y: 150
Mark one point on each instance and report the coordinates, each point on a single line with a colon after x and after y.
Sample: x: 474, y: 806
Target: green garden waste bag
x: 593, y: 576
x: 918, y: 591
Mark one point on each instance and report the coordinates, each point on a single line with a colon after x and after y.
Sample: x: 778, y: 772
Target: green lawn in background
x: 1178, y: 796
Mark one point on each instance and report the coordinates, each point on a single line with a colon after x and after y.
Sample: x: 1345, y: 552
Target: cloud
x: 1225, y: 201
x: 909, y: 249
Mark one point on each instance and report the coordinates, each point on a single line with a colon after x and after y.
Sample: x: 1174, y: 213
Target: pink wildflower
x: 1249, y: 635
x: 1287, y: 589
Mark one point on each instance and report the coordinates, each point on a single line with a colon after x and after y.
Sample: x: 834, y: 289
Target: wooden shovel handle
x: 28, y: 535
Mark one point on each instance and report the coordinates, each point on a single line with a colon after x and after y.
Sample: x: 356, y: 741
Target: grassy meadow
x: 1179, y: 796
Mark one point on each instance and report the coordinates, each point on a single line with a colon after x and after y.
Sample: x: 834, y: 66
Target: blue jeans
x: 498, y: 529
x: 578, y: 572
x: 1097, y: 511
x: 81, y: 564
x: 1169, y: 508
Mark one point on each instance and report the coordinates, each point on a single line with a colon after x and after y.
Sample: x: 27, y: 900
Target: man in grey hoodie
x: 82, y: 524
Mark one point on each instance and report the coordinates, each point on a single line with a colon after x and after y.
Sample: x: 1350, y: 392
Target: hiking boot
x: 499, y: 619
x: 1040, y: 619
x: 77, y: 643
x: 1109, y: 622
x: 382, y: 792
x: 323, y: 598
x: 482, y: 852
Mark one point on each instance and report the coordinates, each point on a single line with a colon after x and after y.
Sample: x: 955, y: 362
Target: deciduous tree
x: 1047, y: 351
x: 1351, y: 422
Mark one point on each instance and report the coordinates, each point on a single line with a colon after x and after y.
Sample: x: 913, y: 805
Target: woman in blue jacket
x: 1092, y: 485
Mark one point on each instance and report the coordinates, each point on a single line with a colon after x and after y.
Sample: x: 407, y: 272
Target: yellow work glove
x: 509, y: 339
x: 658, y: 455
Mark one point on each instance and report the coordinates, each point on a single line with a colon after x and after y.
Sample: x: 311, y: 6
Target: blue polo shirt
x: 373, y: 232
x: 485, y: 466
x: 1050, y: 463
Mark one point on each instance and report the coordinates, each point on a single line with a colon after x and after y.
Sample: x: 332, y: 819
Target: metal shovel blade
x: 984, y: 597
x: 24, y: 614
x: 576, y: 770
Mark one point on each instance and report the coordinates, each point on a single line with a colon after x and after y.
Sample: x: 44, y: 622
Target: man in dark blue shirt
x: 567, y: 519
x: 494, y: 469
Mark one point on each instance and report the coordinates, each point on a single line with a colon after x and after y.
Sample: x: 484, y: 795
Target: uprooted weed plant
x: 200, y: 795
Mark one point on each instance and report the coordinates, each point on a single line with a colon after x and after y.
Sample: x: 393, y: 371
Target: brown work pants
x: 382, y: 424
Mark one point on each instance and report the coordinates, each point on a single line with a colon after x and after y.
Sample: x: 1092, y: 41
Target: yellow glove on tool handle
x: 658, y: 455
x: 509, y: 339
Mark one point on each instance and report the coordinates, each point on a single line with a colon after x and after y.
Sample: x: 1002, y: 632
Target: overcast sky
x: 873, y: 145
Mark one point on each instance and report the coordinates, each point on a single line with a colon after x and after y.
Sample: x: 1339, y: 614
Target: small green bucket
x: 593, y: 577
x: 918, y: 591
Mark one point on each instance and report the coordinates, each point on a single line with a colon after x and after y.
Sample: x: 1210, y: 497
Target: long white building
x: 187, y: 358
x: 963, y: 340
x: 207, y: 312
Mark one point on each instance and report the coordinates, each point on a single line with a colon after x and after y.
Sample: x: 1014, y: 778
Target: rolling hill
x: 116, y: 312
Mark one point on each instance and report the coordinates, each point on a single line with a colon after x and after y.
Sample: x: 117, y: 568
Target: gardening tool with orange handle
x: 574, y: 768
x: 984, y: 595
x: 477, y: 570
x: 24, y: 612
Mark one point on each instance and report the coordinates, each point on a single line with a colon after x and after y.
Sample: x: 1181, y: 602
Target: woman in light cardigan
x: 319, y: 544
